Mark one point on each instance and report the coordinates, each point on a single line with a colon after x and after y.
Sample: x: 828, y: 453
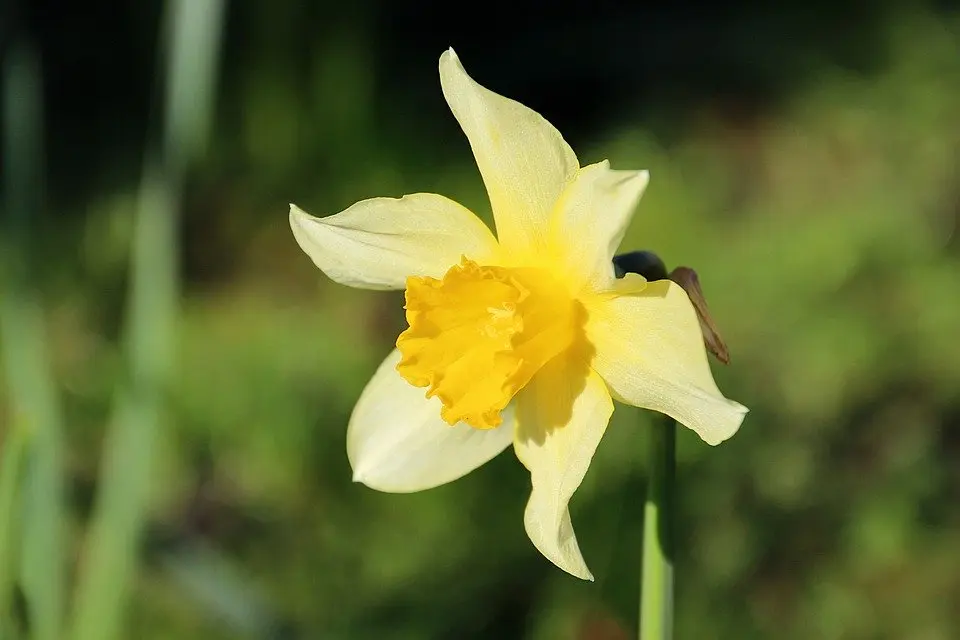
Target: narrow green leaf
x: 33, y: 395
x: 11, y: 467
x: 139, y: 412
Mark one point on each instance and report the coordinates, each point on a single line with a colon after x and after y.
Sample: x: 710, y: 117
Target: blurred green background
x: 178, y: 376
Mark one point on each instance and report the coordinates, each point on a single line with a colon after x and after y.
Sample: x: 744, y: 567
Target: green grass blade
x: 123, y: 490
x: 124, y: 486
x: 11, y: 467
x: 33, y: 393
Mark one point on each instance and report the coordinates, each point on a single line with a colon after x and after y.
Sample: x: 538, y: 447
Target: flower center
x: 479, y: 335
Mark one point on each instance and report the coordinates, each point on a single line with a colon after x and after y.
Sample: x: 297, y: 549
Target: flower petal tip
x: 361, y: 477
x: 299, y: 223
x: 641, y: 179
x: 735, y: 419
x: 573, y: 565
x: 297, y: 217
x: 577, y: 568
x: 449, y: 57
x: 638, y: 180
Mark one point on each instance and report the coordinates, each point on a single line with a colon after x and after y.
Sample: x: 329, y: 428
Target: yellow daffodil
x: 521, y: 339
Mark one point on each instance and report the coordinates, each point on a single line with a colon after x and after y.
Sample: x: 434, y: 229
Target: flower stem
x: 656, y: 587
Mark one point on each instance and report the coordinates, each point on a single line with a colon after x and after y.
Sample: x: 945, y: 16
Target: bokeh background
x: 178, y: 376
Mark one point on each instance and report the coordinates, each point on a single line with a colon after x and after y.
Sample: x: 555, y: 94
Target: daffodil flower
x: 521, y: 339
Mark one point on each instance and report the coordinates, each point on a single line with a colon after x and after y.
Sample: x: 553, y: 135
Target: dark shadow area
x: 583, y: 66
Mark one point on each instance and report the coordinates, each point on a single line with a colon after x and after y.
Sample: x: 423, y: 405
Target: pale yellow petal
x: 396, y: 441
x: 650, y: 352
x: 592, y: 217
x: 561, y: 417
x: 377, y: 243
x: 524, y: 161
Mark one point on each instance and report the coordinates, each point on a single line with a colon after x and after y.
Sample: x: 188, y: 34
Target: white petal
x: 397, y: 442
x: 649, y: 350
x: 592, y: 217
x: 378, y: 243
x: 524, y: 161
x: 561, y: 418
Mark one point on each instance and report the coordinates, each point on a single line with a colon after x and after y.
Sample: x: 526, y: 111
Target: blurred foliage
x: 820, y: 211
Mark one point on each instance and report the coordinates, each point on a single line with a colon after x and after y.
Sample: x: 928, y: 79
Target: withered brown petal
x: 687, y: 278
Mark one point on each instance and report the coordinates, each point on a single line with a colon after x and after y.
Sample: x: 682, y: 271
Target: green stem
x: 656, y: 587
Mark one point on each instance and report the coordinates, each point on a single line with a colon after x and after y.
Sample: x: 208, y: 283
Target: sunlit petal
x: 397, y: 442
x: 592, y: 217
x: 649, y: 350
x: 561, y: 417
x: 377, y: 243
x: 524, y: 161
